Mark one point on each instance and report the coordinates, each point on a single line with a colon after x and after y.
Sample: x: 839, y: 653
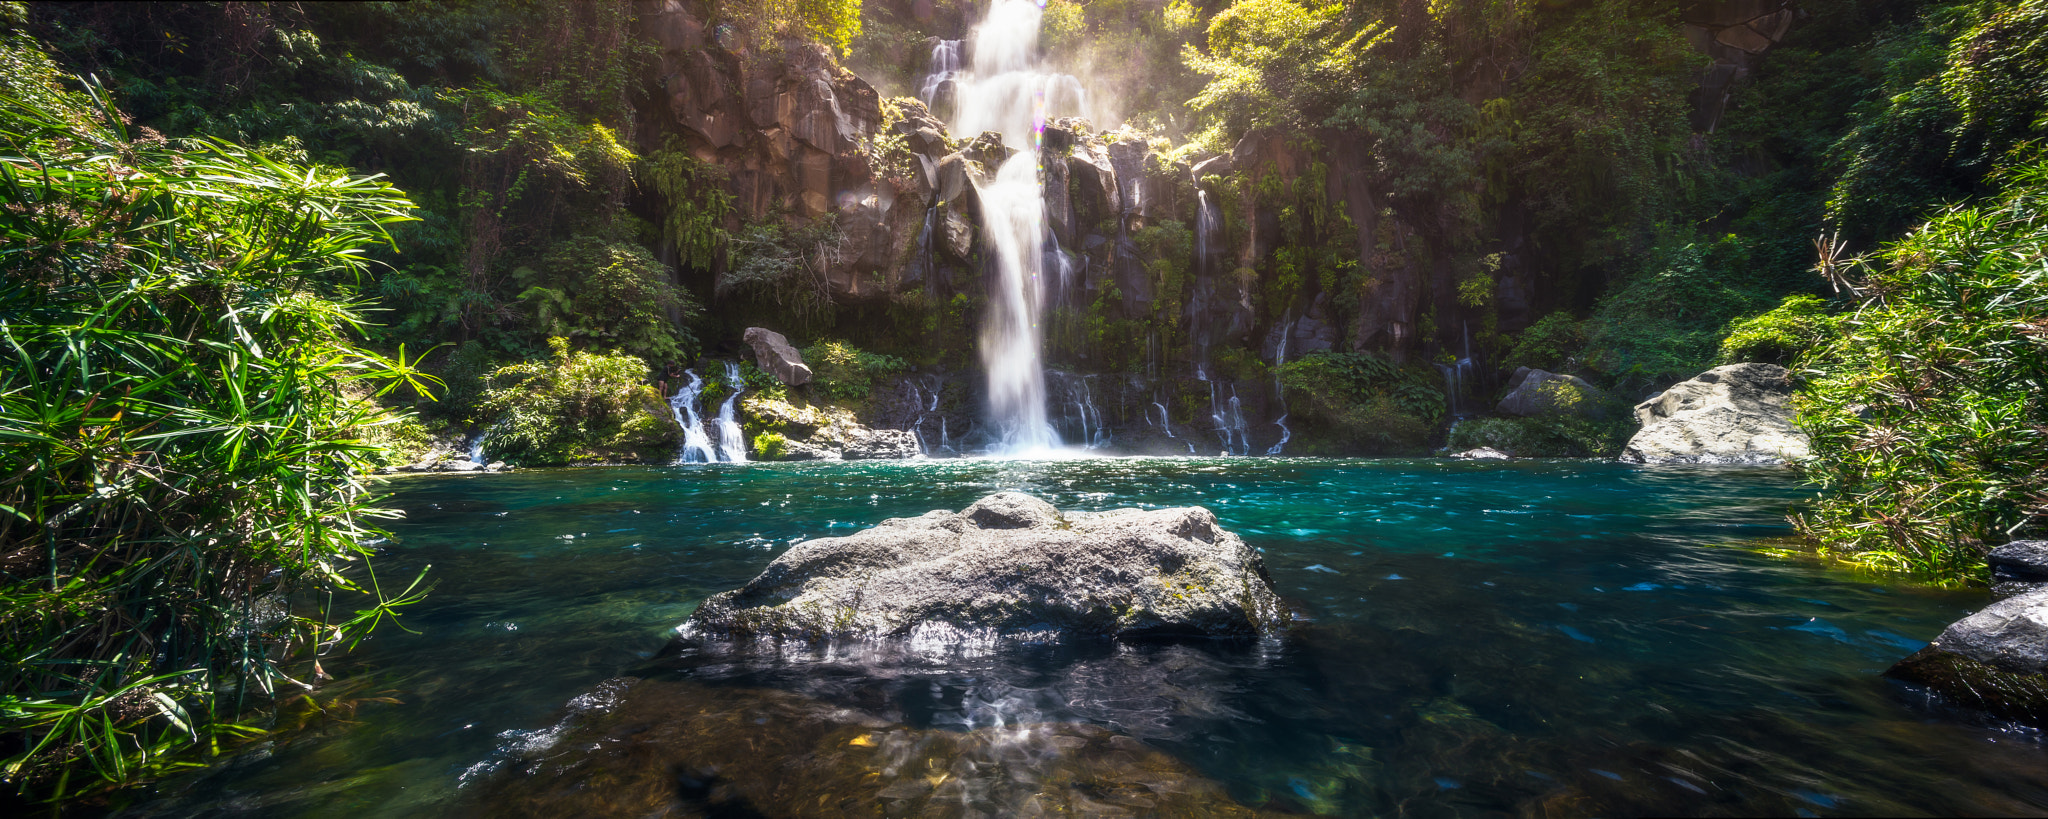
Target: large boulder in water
x: 1737, y: 414
x: 1533, y: 393
x: 1995, y: 660
x: 775, y: 355
x: 1010, y: 565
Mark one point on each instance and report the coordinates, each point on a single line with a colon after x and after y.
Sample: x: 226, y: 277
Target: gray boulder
x: 879, y: 445
x: 2018, y: 567
x: 775, y: 355
x: 1995, y: 660
x: 1533, y: 392
x: 1010, y: 565
x: 1737, y: 414
x: 1484, y: 453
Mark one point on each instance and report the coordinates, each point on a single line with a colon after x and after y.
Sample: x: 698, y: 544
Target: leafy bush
x: 1362, y: 404
x: 1929, y: 429
x: 783, y: 268
x: 1779, y: 336
x: 771, y: 446
x: 1554, y: 343
x: 183, y: 448
x: 578, y: 406
x: 1663, y: 324
x: 608, y: 294
x: 1553, y: 436
x: 843, y: 372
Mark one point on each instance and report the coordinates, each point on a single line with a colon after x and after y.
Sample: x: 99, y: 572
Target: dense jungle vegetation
x: 252, y: 251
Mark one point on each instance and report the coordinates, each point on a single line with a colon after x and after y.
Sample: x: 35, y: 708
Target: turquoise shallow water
x: 1483, y: 638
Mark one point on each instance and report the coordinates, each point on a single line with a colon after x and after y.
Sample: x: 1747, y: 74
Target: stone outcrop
x: 1484, y: 453
x: 1737, y: 414
x: 1995, y: 660
x: 826, y: 433
x: 1010, y: 565
x: 879, y: 445
x: 1533, y: 393
x: 775, y: 356
x: 2018, y: 567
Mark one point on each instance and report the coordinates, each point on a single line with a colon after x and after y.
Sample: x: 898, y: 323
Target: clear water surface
x: 1526, y: 637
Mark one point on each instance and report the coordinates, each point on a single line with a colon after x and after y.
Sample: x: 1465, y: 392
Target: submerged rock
x: 1737, y: 414
x: 1995, y: 660
x: 1485, y: 453
x: 658, y: 747
x: 1010, y: 565
x: 775, y: 355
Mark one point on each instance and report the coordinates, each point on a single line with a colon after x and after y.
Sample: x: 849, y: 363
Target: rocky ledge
x: 1008, y: 566
x: 1997, y: 659
x: 1737, y: 414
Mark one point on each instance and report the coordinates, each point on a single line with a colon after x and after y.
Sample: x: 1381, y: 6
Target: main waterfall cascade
x: 697, y: 446
x: 1006, y: 91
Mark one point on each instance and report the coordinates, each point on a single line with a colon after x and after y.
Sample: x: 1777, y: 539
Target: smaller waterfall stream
x: 732, y: 441
x: 696, y: 445
x: 476, y: 447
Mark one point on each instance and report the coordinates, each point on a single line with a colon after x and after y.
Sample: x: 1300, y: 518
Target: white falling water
x: 476, y: 447
x: 1284, y: 435
x: 696, y: 445
x: 943, y: 68
x: 1165, y: 421
x: 732, y: 442
x: 1007, y: 92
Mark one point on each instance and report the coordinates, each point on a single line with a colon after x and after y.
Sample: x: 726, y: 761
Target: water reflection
x: 1483, y: 638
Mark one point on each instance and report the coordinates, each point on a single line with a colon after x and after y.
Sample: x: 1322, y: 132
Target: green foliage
x: 1664, y: 324
x: 609, y: 294
x: 1550, y: 436
x: 694, y: 221
x: 842, y: 372
x: 783, y: 268
x: 1363, y: 404
x: 1926, y: 411
x: 1555, y: 343
x: 765, y: 23
x: 1965, y: 95
x: 1779, y: 336
x: 771, y: 446
x: 578, y: 407
x: 182, y: 451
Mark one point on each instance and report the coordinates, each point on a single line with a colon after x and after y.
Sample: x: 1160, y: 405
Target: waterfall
x: 732, y: 441
x: 1285, y: 435
x: 1206, y: 222
x: 476, y: 447
x: 1165, y: 421
x: 696, y: 445
x: 943, y: 67
x: 1006, y: 92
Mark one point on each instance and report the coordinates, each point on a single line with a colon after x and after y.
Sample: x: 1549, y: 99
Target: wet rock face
x: 880, y: 444
x: 1010, y: 565
x: 2018, y: 567
x: 1737, y: 414
x: 659, y: 747
x: 774, y: 353
x: 1995, y: 660
x: 827, y: 433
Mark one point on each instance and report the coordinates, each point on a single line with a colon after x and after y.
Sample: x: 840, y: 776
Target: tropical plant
x: 1779, y: 336
x: 843, y: 372
x: 1926, y: 411
x: 183, y: 505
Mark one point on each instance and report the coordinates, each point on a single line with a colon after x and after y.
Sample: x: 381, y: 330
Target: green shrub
x: 1554, y: 343
x: 608, y: 294
x: 578, y: 406
x: 771, y: 446
x: 1556, y: 436
x: 1779, y: 336
x: 182, y: 427
x: 1929, y: 429
x: 1361, y: 404
x: 1664, y: 323
x: 843, y: 372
